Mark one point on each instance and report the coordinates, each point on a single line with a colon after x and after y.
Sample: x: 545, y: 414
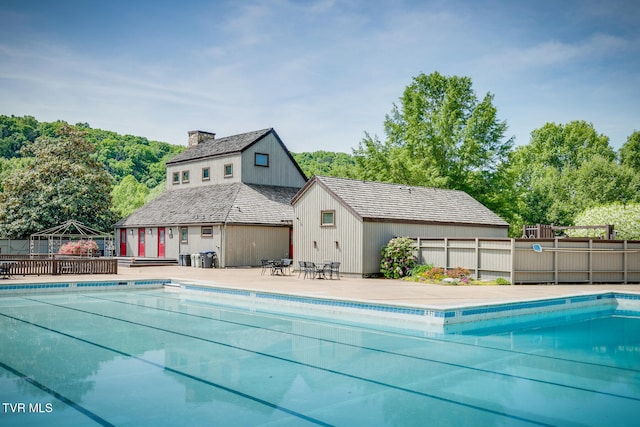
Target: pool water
x: 152, y: 357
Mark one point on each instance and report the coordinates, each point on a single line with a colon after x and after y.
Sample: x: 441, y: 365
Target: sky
x: 321, y: 73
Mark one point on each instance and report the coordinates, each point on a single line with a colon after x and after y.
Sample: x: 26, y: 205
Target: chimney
x: 198, y: 136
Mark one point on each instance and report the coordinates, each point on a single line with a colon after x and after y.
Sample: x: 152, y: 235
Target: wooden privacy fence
x: 539, y: 261
x: 57, y: 266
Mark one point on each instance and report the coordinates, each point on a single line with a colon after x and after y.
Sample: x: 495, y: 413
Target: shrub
x: 502, y: 281
x: 625, y: 218
x: 435, y: 274
x: 81, y: 247
x: 419, y: 269
x: 458, y: 273
x: 398, y: 258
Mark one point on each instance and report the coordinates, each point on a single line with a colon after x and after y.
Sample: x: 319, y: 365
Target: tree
x: 442, y: 136
x: 558, y: 173
x: 128, y: 196
x: 325, y: 163
x: 62, y: 183
x: 14, y: 133
x: 625, y: 218
x: 630, y: 152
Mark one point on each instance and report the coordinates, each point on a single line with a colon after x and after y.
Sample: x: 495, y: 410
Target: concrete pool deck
x: 380, y: 291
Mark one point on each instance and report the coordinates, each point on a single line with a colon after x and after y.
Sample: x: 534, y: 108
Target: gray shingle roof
x: 220, y: 146
x: 235, y: 203
x: 376, y: 201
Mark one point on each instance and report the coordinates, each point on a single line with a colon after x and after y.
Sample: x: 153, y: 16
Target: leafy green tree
x: 15, y: 132
x: 325, y: 163
x: 128, y: 196
x: 62, y: 182
x: 630, y: 152
x: 442, y: 136
x: 556, y: 174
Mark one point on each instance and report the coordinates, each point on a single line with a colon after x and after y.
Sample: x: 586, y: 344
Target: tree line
x: 439, y: 134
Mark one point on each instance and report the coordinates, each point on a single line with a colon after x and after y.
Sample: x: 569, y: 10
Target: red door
x: 291, y: 243
x: 123, y: 242
x: 161, y: 242
x: 140, y: 241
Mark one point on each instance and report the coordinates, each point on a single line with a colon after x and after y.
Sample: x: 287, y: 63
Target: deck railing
x: 58, y: 266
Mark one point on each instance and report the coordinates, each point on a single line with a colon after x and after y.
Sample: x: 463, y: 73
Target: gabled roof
x: 221, y: 146
x: 235, y: 203
x: 382, y: 202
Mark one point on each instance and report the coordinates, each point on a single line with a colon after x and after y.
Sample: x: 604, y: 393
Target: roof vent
x: 198, y: 136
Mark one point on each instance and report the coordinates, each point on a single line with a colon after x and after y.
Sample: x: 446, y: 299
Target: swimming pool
x: 153, y: 357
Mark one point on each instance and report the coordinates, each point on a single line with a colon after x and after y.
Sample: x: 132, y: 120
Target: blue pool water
x: 152, y: 357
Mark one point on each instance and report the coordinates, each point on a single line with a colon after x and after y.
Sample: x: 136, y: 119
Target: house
x: 229, y: 195
x: 349, y: 221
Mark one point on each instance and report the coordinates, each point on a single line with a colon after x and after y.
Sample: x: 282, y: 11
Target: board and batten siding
x: 216, y: 170
x: 247, y: 245
x: 281, y: 170
x: 195, y: 242
x: 378, y: 234
x: 315, y: 243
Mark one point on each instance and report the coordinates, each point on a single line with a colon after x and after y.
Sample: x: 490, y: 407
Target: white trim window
x: 327, y: 218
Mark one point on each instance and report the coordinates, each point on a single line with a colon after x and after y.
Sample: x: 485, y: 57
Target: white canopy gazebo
x: 69, y: 231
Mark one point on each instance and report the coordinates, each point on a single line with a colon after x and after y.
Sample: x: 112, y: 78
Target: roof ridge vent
x: 198, y: 136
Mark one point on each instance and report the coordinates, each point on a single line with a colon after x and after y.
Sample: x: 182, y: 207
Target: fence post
x: 555, y: 262
x: 446, y: 253
x: 477, y: 257
x: 512, y: 273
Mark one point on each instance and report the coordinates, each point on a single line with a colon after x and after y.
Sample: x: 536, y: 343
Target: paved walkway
x: 382, y: 291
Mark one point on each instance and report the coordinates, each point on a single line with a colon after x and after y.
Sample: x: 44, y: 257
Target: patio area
x: 381, y: 291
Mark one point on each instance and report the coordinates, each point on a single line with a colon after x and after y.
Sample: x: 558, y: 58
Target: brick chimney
x: 198, y: 136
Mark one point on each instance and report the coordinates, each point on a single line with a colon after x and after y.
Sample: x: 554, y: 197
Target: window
x: 206, y: 174
x: 176, y: 178
x: 184, y: 234
x: 206, y: 231
x: 327, y: 218
x: 262, y: 160
x: 185, y: 177
x: 228, y: 171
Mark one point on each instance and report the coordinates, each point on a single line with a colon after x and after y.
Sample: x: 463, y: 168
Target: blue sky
x: 322, y: 73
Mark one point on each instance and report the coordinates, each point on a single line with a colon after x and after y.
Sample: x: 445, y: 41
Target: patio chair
x: 277, y: 266
x: 286, y: 265
x: 302, y: 267
x: 334, y: 268
x: 266, y: 265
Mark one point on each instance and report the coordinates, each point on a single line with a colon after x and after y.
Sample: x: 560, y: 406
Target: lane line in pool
x: 57, y: 395
x: 361, y: 326
x: 339, y: 373
x: 172, y: 370
x: 254, y: 398
x: 377, y: 350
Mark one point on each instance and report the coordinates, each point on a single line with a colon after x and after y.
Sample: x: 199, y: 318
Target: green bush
x: 419, y: 269
x: 398, y: 258
x: 502, y: 281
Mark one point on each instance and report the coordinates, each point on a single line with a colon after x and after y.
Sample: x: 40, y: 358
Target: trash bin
x: 196, y: 260
x: 185, y: 260
x: 208, y: 258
